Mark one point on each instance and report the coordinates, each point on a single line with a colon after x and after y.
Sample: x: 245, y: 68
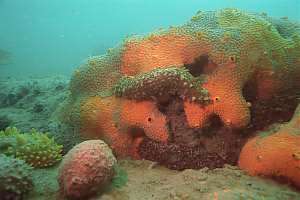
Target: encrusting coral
x: 15, y: 178
x: 160, y: 83
x: 120, y: 123
x: 240, y: 47
x: 203, y: 65
x: 275, y: 154
x: 35, y: 148
x: 86, y: 169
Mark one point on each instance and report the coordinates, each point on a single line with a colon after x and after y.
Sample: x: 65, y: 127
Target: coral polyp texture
x: 35, y: 148
x: 121, y: 122
x: 86, y: 169
x: 275, y: 154
x: 15, y: 178
x: 189, y: 86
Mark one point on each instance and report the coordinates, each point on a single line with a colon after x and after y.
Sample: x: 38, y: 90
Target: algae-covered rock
x: 15, y: 178
x: 86, y: 169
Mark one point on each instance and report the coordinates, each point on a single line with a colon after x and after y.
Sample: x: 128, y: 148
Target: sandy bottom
x: 30, y: 103
x: 148, y: 181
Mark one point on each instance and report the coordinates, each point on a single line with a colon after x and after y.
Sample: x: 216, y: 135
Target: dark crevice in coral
x: 249, y: 91
x: 212, y: 146
x: 215, y: 144
x: 201, y: 65
x: 197, y: 67
x: 136, y: 132
x: 264, y: 113
x: 163, y: 102
x: 213, y: 124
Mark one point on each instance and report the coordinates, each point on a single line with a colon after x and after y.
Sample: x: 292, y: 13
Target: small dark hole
x: 232, y: 58
x: 149, y: 119
x: 197, y: 67
x: 136, y: 132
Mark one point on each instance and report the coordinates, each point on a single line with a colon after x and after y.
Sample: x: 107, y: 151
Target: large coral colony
x: 192, y: 96
x: 221, y: 89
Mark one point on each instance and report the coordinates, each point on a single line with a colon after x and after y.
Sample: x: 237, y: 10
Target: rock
x: 86, y: 169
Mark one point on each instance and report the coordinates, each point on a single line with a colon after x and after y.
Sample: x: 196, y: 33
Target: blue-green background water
x: 49, y: 37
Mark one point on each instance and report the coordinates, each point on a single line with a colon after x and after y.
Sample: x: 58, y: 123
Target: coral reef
x: 275, y: 153
x: 15, y: 178
x: 31, y: 102
x: 187, y: 88
x: 35, y: 148
x: 86, y: 169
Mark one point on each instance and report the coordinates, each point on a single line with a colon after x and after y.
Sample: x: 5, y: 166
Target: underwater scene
x: 150, y: 100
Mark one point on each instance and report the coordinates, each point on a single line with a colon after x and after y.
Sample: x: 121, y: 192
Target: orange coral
x: 97, y: 123
x: 230, y: 47
x: 276, y: 155
x: 224, y: 87
x: 168, y: 49
x: 121, y: 123
x: 144, y: 114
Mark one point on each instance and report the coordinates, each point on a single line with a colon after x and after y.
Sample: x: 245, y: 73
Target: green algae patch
x: 121, y: 177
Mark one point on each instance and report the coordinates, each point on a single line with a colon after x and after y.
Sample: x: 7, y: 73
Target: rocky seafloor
x: 32, y: 102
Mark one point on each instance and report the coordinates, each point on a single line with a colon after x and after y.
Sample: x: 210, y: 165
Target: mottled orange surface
x: 145, y: 114
x: 224, y: 87
x: 276, y: 155
x: 121, y: 123
x: 241, y: 49
x: 165, y: 50
x: 268, y: 83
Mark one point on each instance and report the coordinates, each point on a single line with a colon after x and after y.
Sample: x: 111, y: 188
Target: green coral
x: 160, y: 82
x: 35, y: 148
x: 15, y: 178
